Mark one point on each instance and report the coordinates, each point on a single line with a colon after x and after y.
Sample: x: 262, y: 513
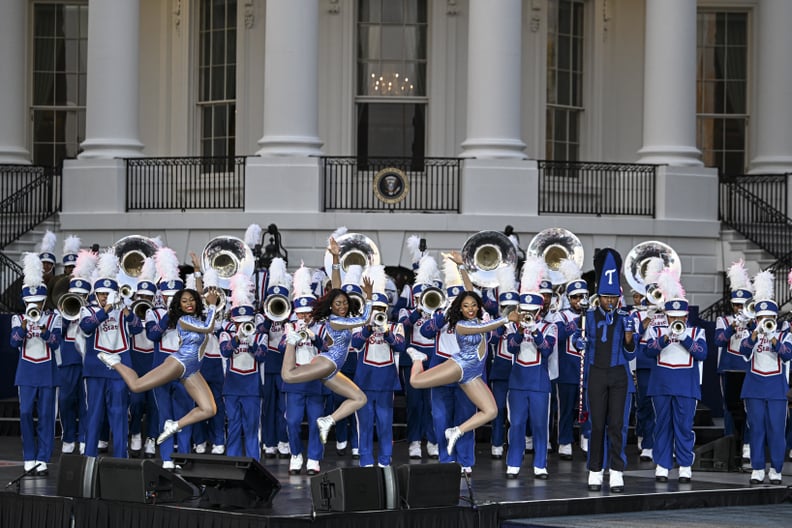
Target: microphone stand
x: 18, y: 480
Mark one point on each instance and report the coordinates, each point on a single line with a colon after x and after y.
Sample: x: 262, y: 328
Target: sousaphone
x: 484, y: 253
x: 636, y: 261
x: 355, y: 249
x: 132, y: 252
x: 228, y: 256
x: 553, y: 245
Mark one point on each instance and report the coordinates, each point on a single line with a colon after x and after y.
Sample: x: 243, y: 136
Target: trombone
x: 70, y: 304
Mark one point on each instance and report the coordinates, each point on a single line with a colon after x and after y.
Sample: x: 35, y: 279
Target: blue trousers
x: 450, y: 407
x: 273, y: 411
x: 71, y: 402
x: 768, y: 419
x: 244, y: 419
x: 644, y: 410
x: 37, y: 439
x: 531, y: 409
x: 310, y: 406
x: 500, y: 390
x: 419, y: 410
x: 378, y: 412
x: 674, y: 434
x: 107, y: 397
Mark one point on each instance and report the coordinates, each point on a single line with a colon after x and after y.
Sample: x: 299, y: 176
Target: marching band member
x: 418, y: 401
x: 108, y: 326
x: 142, y: 352
x: 304, y: 399
x: 36, y: 334
x: 48, y: 260
x: 502, y: 360
x: 334, y: 307
x: 568, y: 382
x: 378, y: 346
x: 609, y: 348
x: 730, y: 330
x: 71, y: 250
x: 675, y: 383
x: 71, y: 395
x: 529, y: 381
x: 241, y: 390
x: 467, y: 366
x: 765, y: 386
x: 273, y: 422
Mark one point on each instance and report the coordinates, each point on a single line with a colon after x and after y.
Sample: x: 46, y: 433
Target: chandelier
x: 390, y: 84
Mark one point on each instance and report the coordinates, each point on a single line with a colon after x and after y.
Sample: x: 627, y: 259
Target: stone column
x: 493, y: 80
x: 112, y: 102
x: 13, y: 107
x: 669, y: 120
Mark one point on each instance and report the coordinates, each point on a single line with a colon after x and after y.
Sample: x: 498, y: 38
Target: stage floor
x: 563, y: 494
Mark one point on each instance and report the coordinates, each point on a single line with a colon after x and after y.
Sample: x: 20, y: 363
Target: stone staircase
x: 735, y: 246
x: 31, y: 240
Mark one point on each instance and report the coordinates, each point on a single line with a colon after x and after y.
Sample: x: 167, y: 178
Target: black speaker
x: 77, y: 476
x: 722, y: 454
x: 349, y: 489
x: 240, y: 482
x: 429, y: 485
x: 132, y: 480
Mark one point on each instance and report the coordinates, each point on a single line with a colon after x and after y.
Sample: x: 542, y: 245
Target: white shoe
x: 467, y: 470
x: 432, y: 450
x: 82, y: 448
x: 135, y: 442
x: 528, y: 443
x: 355, y: 452
x: 595, y: 480
x: 774, y: 476
x: 340, y: 446
x: 109, y: 359
x: 200, y: 449
x: 584, y: 444
x: 757, y: 476
x: 616, y: 482
x: 170, y: 428
x: 497, y: 452
x: 512, y: 472
x: 295, y: 464
x: 150, y: 448
x: 68, y: 447
x: 218, y: 449
x: 168, y: 464
x: 29, y: 464
x: 284, y: 449
x: 415, y: 355
x: 270, y: 452
x: 565, y: 451
x: 646, y: 455
x: 540, y: 473
x: 746, y: 451
x: 382, y: 465
x: 102, y: 444
x: 415, y: 450
x: 325, y: 423
x: 312, y: 467
x: 452, y: 434
x: 685, y: 474
x: 661, y: 474
x: 42, y: 469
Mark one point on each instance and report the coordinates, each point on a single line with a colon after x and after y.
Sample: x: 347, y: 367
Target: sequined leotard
x: 469, y: 358
x: 191, y: 343
x: 339, y: 337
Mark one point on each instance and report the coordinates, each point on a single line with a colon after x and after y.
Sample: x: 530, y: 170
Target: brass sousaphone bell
x: 637, y: 260
x: 553, y: 245
x: 484, y: 253
x: 228, y: 256
x: 355, y: 249
x: 132, y: 252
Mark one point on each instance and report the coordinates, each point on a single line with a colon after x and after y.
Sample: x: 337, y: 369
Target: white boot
x: 595, y: 480
x: 757, y: 476
x: 415, y: 450
x: 774, y: 476
x: 295, y: 464
x: 616, y: 481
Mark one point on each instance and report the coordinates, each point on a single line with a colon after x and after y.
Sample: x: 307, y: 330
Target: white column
x: 669, y: 120
x: 13, y: 106
x: 773, y: 121
x: 111, y: 114
x: 493, y: 80
x: 291, y: 83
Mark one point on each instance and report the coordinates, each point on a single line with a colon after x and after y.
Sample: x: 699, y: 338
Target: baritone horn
x: 355, y: 249
x: 553, y: 245
x: 277, y: 307
x: 228, y: 256
x: 140, y: 307
x: 431, y: 300
x: 70, y: 304
x: 484, y: 253
x: 637, y: 261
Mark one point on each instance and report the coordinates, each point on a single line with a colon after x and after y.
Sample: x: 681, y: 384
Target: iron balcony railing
x: 591, y: 188
x: 391, y: 184
x: 185, y: 183
x: 755, y: 210
x: 31, y: 194
x: 10, y: 286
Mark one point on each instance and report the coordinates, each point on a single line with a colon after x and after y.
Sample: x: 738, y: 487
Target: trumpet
x: 277, y: 307
x: 677, y: 328
x: 432, y: 299
x: 69, y: 306
x: 768, y: 326
x: 126, y: 291
x: 140, y: 307
x: 32, y: 313
x: 749, y: 310
x: 246, y: 328
x: 379, y: 319
x: 527, y: 319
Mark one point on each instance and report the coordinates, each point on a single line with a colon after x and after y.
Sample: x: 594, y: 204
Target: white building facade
x: 695, y: 88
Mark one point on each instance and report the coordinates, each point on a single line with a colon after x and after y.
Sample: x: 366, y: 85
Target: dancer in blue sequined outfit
x: 183, y: 365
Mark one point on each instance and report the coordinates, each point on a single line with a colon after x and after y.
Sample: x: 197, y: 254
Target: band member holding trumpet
x: 334, y: 308
x: 765, y: 387
x: 529, y: 382
x: 467, y: 366
x: 609, y: 348
x: 36, y: 334
x: 675, y: 383
x: 378, y: 344
x: 240, y: 345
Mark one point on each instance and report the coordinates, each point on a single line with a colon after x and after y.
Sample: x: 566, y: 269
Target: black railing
x: 31, y: 194
x: 770, y: 188
x: 755, y: 218
x: 185, y: 183
x: 589, y: 188
x: 10, y: 286
x: 349, y: 184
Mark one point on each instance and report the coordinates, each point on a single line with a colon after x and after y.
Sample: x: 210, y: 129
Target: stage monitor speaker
x: 239, y: 482
x: 77, y: 476
x: 350, y: 489
x: 132, y: 480
x: 719, y: 455
x: 429, y: 485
